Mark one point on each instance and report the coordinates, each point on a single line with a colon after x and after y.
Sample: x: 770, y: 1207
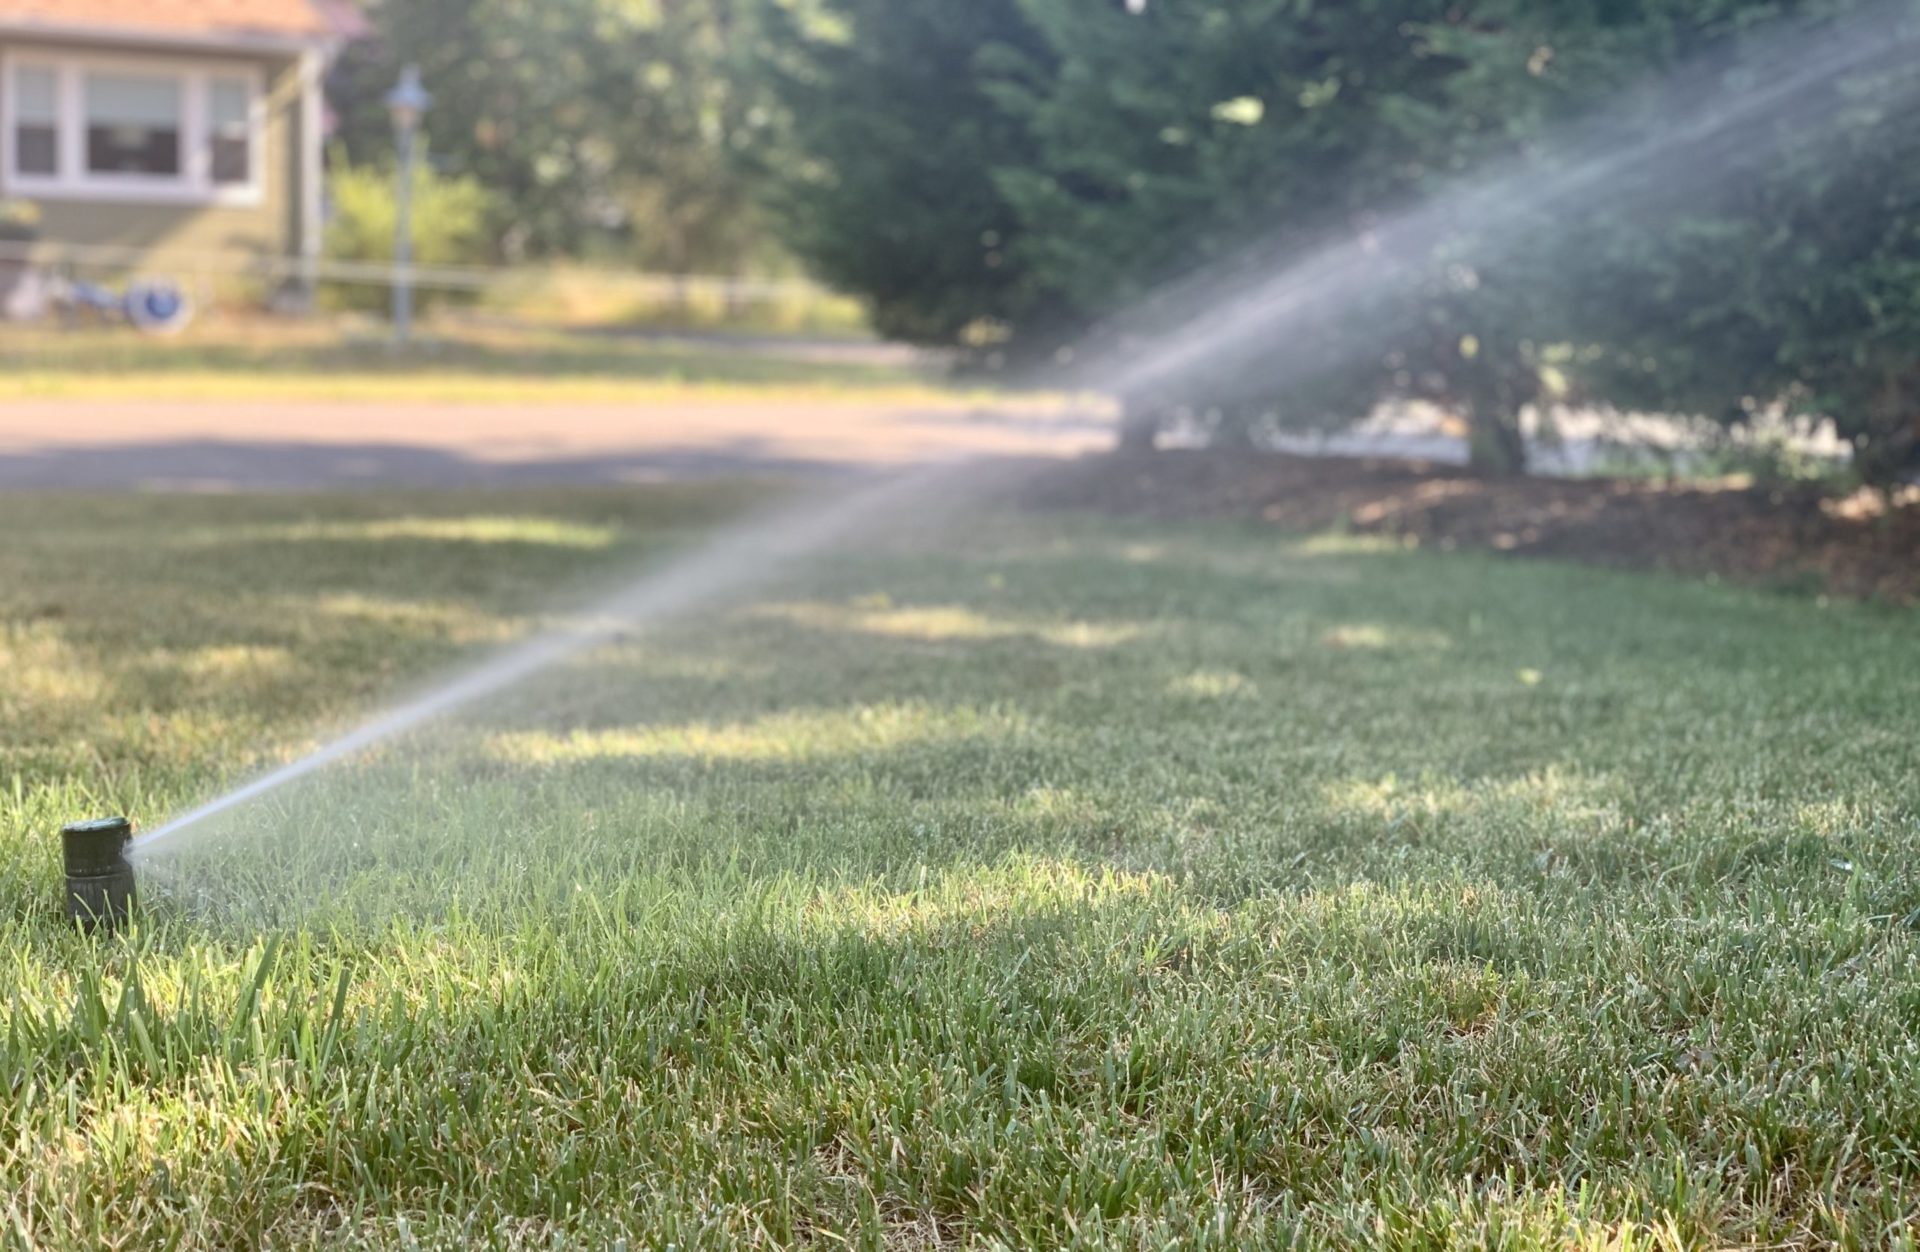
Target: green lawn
x: 451, y: 362
x: 1071, y: 882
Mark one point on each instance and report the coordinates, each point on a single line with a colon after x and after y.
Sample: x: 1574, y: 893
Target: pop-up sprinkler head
x: 99, y: 876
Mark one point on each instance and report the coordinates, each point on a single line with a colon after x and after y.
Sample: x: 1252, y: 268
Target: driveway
x: 274, y: 445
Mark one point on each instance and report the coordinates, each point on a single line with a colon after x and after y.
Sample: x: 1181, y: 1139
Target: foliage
x: 1793, y: 281
x: 1190, y: 149
x: 594, y: 297
x: 1517, y: 167
x: 1129, y: 151
x: 449, y: 225
x: 1149, y: 162
x: 601, y: 126
x: 19, y: 221
x: 1060, y: 883
x: 882, y: 170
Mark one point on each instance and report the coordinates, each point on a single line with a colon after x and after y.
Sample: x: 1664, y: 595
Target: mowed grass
x: 1062, y: 881
x: 451, y: 362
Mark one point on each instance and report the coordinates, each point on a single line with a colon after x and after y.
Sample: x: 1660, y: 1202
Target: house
x: 181, y: 133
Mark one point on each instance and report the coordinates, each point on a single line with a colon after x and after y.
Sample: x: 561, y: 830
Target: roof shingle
x: 188, y: 18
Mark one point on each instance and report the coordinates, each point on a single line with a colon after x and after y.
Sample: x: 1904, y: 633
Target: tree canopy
x: 600, y: 126
x: 884, y: 170
x: 1031, y: 174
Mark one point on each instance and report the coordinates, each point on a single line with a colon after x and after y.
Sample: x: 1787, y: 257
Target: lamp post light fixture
x: 406, y: 103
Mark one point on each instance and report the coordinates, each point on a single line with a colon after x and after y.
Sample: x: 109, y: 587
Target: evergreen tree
x: 883, y: 170
x: 1790, y: 280
x: 1232, y: 142
x: 1117, y: 175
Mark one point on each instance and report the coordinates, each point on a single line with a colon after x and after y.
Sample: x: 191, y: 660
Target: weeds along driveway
x: 293, y: 444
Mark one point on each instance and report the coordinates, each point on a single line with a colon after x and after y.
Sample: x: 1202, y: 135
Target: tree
x: 1234, y: 142
x: 1754, y: 243
x: 1790, y: 280
x: 598, y: 125
x: 881, y: 172
x: 1456, y: 190
x: 1033, y: 166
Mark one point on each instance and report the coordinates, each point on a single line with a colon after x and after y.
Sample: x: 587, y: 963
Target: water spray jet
x: 736, y: 559
x: 100, y: 888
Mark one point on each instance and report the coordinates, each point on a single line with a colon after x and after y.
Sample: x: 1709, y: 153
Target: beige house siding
x: 186, y: 236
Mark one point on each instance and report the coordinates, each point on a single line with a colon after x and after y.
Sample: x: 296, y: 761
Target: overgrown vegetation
x: 1061, y: 882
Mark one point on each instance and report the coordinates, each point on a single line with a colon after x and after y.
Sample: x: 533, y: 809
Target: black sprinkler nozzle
x: 99, y: 876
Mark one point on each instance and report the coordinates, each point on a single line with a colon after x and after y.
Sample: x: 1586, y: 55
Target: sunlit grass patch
x: 171, y: 679
x: 876, y: 615
x: 977, y: 898
x: 43, y: 671
x: 1375, y: 636
x: 1554, y: 789
x: 649, y: 660
x: 218, y: 664
x: 793, y: 736
x: 1336, y: 544
x: 539, y: 532
x: 449, y: 364
x: 452, y: 622
x: 1551, y: 811
x: 1212, y: 684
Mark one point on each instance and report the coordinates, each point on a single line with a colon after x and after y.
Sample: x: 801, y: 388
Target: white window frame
x: 193, y: 185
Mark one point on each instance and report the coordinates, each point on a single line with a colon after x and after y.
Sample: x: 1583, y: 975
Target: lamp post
x: 405, y: 103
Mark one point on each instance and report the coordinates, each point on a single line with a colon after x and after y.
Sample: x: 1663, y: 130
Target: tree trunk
x: 1234, y: 431
x: 1139, y: 429
x: 1888, y: 450
x: 1883, y: 457
x: 1496, y: 446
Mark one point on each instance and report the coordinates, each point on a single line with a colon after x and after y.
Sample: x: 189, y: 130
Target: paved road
x: 274, y: 445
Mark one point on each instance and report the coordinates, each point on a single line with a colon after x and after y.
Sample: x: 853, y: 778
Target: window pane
x: 36, y: 96
x: 36, y: 150
x: 36, y: 128
x: 132, y: 100
x: 229, y: 103
x: 133, y: 124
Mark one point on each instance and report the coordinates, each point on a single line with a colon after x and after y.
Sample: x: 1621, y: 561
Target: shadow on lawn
x: 224, y: 466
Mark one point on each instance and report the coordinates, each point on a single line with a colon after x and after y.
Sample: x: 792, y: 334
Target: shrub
x: 19, y: 222
x: 450, y: 217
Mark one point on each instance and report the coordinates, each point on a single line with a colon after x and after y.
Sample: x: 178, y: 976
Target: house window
x: 135, y: 129
x: 36, y: 122
x: 133, y: 125
x: 230, y: 134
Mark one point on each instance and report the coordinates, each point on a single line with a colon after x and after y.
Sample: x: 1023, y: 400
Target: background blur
x: 994, y: 183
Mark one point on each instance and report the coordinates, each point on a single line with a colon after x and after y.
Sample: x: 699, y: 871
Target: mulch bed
x: 1795, y: 539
